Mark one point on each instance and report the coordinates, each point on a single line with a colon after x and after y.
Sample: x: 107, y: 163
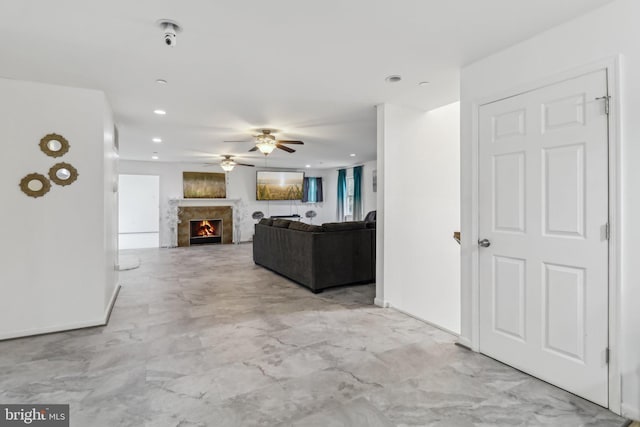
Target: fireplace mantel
x: 203, y: 202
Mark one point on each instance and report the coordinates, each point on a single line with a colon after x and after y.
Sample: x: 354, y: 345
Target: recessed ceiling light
x: 160, y: 112
x: 307, y: 166
x: 161, y: 81
x: 423, y: 83
x: 393, y: 79
x: 352, y: 154
x: 157, y: 140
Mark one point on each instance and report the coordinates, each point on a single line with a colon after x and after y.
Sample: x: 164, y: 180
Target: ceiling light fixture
x: 227, y: 165
x: 266, y: 143
x: 160, y: 112
x: 161, y: 81
x: 155, y: 156
x: 393, y: 79
x: 157, y: 140
x: 423, y: 83
x: 307, y: 166
x: 352, y: 154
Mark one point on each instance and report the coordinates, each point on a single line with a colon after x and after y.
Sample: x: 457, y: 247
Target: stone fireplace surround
x: 188, y: 213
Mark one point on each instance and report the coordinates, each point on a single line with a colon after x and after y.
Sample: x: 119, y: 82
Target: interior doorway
x: 139, y: 211
x: 543, y: 229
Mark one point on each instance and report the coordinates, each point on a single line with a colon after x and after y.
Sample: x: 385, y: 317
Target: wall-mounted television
x: 272, y: 185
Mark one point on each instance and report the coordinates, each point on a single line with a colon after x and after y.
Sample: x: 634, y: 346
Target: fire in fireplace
x: 205, y: 231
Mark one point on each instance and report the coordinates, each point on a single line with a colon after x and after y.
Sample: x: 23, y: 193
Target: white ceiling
x: 315, y: 70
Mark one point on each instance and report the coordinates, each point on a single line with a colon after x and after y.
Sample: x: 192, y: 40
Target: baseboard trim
x: 425, y: 321
x: 112, y: 303
x: 465, y: 342
x: 68, y: 327
x: 51, y: 330
x: 630, y: 412
x: 381, y: 303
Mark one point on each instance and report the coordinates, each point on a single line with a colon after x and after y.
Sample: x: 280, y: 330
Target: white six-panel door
x: 543, y: 206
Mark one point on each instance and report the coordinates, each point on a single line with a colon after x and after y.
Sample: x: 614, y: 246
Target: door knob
x: 484, y: 243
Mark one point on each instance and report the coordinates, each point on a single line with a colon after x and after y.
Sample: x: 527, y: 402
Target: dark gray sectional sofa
x: 317, y: 257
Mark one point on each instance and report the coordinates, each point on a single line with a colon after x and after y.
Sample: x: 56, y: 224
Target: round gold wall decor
x: 63, y: 173
x: 54, y: 145
x: 35, y: 185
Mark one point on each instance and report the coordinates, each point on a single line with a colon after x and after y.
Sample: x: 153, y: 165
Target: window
x: 348, y: 202
x: 312, y: 190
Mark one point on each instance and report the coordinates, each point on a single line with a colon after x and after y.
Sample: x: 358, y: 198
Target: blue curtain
x: 312, y: 190
x: 342, y: 193
x: 357, y: 193
x: 319, y: 193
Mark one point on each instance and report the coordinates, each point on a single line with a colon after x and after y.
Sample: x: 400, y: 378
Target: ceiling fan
x: 227, y: 164
x: 266, y: 142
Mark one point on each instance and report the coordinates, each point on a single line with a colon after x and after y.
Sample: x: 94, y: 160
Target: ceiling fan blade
x: 245, y: 164
x: 290, y: 142
x: 285, y: 148
x: 254, y: 149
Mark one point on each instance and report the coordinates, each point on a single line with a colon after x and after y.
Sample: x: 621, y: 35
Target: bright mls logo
x: 34, y: 415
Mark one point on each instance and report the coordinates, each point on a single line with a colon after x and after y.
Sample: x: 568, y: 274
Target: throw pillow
x: 281, y: 223
x: 266, y: 221
x: 297, y: 225
x: 301, y: 226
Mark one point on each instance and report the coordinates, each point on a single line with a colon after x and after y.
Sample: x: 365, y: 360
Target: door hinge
x: 607, y: 103
x: 606, y: 355
x: 607, y: 231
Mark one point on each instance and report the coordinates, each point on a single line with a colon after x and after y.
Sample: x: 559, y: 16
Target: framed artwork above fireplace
x: 204, y: 185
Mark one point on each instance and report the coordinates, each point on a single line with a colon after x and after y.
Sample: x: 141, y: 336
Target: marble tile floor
x: 203, y: 337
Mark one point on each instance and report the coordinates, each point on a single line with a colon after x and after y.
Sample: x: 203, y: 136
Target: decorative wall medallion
x: 35, y: 185
x: 54, y: 145
x: 63, y: 173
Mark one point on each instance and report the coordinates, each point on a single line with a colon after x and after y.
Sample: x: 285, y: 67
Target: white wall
x: 421, y: 186
x: 606, y: 32
x: 58, y: 252
x: 369, y: 198
x: 241, y: 184
x: 110, y: 206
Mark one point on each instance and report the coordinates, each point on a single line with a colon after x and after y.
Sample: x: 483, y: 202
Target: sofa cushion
x: 302, y: 226
x: 281, y: 223
x: 266, y: 221
x: 344, y: 226
x: 297, y: 225
x: 371, y: 224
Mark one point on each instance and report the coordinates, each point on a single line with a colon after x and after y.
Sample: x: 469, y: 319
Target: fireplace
x: 186, y: 214
x: 205, y: 231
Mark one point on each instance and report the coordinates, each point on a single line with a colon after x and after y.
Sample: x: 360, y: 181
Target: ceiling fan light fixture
x: 266, y: 142
x: 227, y: 165
x: 266, y: 147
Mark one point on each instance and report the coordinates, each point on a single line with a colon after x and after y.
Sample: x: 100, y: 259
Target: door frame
x: 612, y: 67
